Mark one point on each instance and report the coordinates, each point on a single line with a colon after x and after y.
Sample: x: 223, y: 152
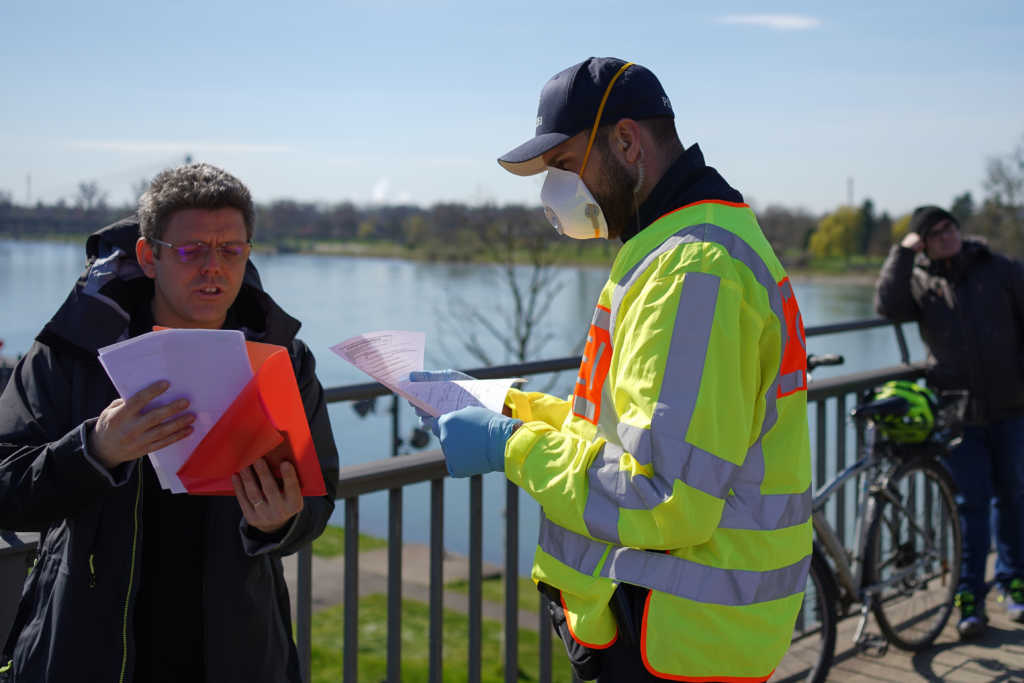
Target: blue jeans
x: 990, y: 464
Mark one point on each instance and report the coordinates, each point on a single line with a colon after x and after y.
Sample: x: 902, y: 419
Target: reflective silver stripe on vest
x: 597, y: 362
x: 670, y: 455
x: 791, y: 381
x: 613, y: 489
x: 766, y: 512
x: 607, y: 483
x: 663, y: 445
x: 705, y: 232
x: 669, y: 574
x: 743, y: 509
x: 797, y: 379
x: 583, y: 407
x: 747, y: 508
x: 574, y: 550
x: 686, y: 579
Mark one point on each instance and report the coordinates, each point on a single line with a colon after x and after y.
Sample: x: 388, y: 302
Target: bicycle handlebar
x: 818, y: 360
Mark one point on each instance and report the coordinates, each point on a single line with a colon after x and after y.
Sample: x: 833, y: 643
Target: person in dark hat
x: 969, y: 304
x: 675, y: 538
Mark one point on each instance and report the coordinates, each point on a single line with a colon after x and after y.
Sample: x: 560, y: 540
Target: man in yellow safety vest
x: 675, y: 483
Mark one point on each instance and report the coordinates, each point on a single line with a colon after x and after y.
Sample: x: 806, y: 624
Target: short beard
x: 615, y: 195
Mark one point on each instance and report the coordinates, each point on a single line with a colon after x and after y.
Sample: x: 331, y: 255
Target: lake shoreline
x: 859, y: 275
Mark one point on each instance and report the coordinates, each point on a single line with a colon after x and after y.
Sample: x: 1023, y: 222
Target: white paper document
x: 207, y: 367
x: 389, y: 356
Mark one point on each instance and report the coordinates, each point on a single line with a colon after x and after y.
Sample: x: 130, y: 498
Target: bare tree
x: 1004, y: 180
x: 526, y: 279
x: 788, y: 230
x: 1001, y: 218
x: 512, y: 326
x: 90, y: 196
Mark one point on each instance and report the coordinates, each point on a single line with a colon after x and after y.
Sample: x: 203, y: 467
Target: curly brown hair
x: 192, y: 186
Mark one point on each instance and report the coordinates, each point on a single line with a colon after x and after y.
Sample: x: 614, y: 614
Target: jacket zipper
x: 980, y: 407
x: 131, y: 577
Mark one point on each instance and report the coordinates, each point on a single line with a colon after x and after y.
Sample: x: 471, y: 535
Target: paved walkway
x: 997, y: 656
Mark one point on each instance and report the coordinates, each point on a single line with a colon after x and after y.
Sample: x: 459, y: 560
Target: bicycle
x: 905, y: 563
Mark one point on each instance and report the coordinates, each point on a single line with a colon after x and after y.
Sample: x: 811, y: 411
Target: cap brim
x: 526, y: 158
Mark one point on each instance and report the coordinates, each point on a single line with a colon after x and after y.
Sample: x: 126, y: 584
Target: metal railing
x: 394, y: 474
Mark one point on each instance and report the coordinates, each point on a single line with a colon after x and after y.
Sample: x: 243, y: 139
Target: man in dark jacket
x: 969, y: 304
x: 134, y: 583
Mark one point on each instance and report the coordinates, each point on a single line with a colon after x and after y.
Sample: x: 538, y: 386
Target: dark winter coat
x: 970, y: 310
x: 74, y: 622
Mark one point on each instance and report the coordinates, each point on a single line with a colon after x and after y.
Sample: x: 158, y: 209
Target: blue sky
x: 389, y: 101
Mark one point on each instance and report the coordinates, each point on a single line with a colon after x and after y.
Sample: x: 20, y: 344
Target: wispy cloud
x: 429, y: 161
x: 171, y: 147
x: 778, y: 22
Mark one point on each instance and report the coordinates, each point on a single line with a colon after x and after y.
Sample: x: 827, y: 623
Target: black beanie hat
x: 925, y: 218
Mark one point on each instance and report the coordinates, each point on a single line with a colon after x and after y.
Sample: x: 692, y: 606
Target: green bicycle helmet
x: 914, y: 425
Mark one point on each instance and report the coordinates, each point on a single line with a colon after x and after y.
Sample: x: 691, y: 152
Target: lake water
x: 337, y: 297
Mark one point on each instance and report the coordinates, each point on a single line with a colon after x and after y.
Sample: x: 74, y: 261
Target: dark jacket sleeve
x: 1015, y: 284
x: 893, y: 298
x: 46, y: 474
x: 310, y: 522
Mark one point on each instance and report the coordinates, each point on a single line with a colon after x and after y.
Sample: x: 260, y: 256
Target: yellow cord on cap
x: 600, y: 110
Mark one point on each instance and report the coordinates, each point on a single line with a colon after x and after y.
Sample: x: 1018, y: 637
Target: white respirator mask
x: 568, y: 203
x: 570, y: 207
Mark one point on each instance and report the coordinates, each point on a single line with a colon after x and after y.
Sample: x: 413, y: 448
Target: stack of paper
x: 389, y: 356
x: 244, y: 397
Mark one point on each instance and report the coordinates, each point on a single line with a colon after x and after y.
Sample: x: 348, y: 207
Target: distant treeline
x: 442, y: 232
x: 849, y: 235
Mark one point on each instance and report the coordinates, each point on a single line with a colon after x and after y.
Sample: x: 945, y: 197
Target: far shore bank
x: 858, y: 274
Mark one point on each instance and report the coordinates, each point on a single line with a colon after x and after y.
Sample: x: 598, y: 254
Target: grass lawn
x: 493, y: 590
x: 332, y: 542
x: 327, y: 646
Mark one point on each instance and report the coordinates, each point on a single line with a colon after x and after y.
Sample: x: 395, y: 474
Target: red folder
x: 266, y: 420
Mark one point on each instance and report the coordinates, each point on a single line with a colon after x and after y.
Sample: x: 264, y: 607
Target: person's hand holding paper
x: 265, y: 504
x: 473, y: 440
x: 472, y: 437
x: 126, y: 430
x: 247, y: 405
x: 427, y: 420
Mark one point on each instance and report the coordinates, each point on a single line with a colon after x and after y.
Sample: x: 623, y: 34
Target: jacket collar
x: 686, y: 181
x: 99, y: 308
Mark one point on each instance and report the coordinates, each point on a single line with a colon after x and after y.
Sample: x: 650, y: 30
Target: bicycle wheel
x: 814, y: 636
x: 912, y: 559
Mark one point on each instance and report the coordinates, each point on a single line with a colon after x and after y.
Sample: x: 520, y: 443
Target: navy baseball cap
x: 570, y: 100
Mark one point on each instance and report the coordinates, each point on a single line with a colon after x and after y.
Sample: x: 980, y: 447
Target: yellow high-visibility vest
x: 682, y: 461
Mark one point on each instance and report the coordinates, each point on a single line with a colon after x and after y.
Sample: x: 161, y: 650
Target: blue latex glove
x: 473, y: 440
x: 428, y: 421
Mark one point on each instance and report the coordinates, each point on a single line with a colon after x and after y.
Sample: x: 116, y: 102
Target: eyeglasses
x: 190, y: 252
